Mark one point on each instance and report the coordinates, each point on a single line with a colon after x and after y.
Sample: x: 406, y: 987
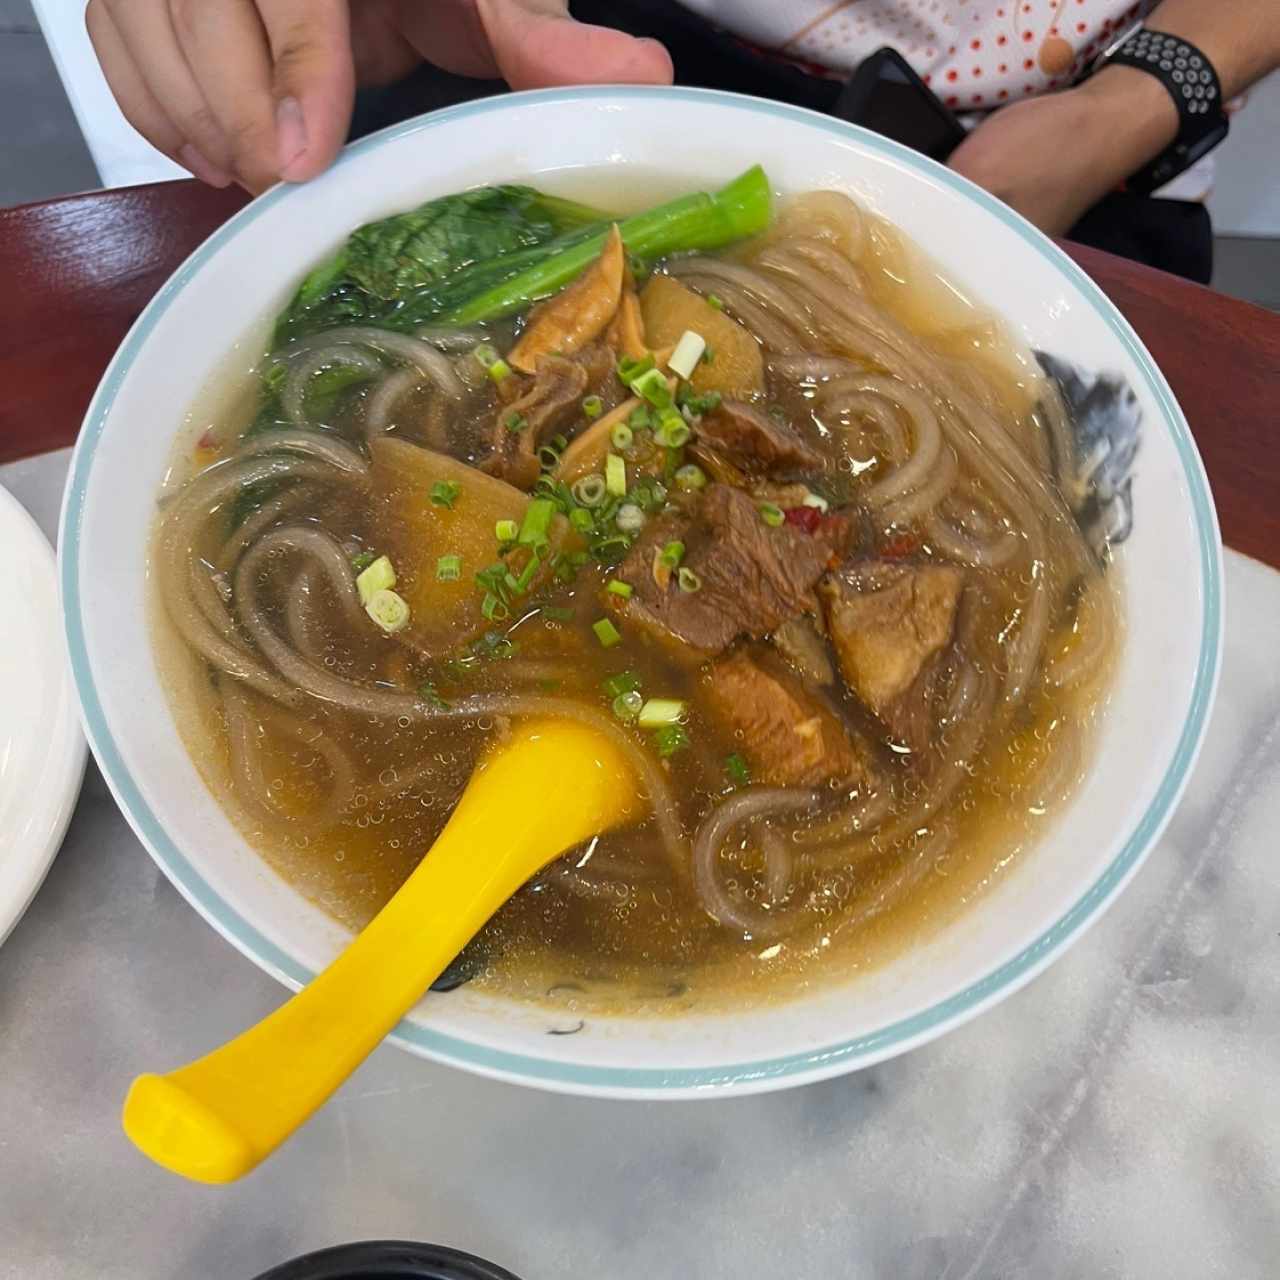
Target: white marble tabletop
x: 1120, y: 1117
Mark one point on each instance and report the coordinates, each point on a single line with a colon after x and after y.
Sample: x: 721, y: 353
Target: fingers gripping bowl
x: 756, y: 999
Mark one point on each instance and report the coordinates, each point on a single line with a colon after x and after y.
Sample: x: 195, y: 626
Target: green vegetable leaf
x: 426, y: 244
x: 400, y: 271
x: 486, y: 253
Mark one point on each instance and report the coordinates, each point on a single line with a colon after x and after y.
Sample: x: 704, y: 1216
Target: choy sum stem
x: 700, y: 221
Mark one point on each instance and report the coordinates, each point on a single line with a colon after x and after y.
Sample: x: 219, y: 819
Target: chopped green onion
x: 581, y: 520
x: 638, y: 419
x: 547, y: 487
x: 556, y: 613
x: 616, y: 587
x: 736, y: 767
x: 491, y: 578
x: 690, y: 478
x: 622, y: 436
x: 448, y: 568
x: 661, y: 711
x: 673, y: 431
x: 609, y: 551
x: 817, y: 501
x: 778, y: 413
x: 361, y: 562
x: 626, y: 706
x: 527, y: 574
x: 629, y: 370
x: 715, y: 302
x: 670, y: 739
x: 515, y: 422
x: 589, y: 490
x: 444, y: 493
x: 651, y: 386
x: 378, y: 576
x: 623, y: 682
x: 709, y: 356
x: 548, y: 457
x: 771, y: 514
x: 688, y: 351
x: 493, y: 608
x: 388, y: 610
x: 506, y: 530
x: 492, y: 644
x: 615, y: 475
x: 537, y: 522
x: 649, y: 494
x: 630, y: 518
x: 494, y: 365
x: 606, y: 633
x: 593, y: 406
x: 687, y: 580
x: 694, y: 406
x: 431, y: 695
x: 672, y: 554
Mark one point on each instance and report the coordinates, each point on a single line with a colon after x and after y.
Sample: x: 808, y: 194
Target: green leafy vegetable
x: 698, y: 221
x: 425, y: 245
x: 401, y: 271
x: 483, y: 254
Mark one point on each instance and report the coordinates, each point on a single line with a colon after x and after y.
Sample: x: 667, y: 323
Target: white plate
x: 249, y: 268
x: 42, y: 750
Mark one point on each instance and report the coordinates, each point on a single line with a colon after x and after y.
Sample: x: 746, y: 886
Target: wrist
x: 1131, y: 117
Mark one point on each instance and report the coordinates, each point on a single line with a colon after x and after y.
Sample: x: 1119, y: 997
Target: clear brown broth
x: 650, y: 946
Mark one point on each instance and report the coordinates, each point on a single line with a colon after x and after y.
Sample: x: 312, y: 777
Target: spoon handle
x: 553, y: 785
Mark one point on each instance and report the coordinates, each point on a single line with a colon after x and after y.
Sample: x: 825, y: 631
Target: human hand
x: 1052, y: 158
x: 252, y: 91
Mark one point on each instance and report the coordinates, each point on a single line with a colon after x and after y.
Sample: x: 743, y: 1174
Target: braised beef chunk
x: 550, y: 403
x: 789, y: 735
x: 799, y: 642
x: 752, y: 443
x: 754, y: 576
x: 889, y: 623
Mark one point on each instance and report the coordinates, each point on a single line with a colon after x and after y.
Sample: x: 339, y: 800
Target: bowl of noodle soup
x: 903, y: 597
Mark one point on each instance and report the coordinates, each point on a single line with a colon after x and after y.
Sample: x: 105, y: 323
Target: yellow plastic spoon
x: 553, y: 785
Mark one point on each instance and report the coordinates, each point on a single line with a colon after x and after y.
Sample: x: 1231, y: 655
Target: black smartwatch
x: 1196, y: 92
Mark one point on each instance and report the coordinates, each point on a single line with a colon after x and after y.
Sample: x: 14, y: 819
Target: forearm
x: 1134, y: 118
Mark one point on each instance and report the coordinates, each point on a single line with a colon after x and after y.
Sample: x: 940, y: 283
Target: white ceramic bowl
x: 248, y: 268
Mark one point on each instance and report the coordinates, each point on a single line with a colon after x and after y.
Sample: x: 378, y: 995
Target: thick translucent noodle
x: 940, y: 435
x: 263, y: 610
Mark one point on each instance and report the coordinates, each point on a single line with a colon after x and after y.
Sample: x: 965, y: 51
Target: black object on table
x: 388, y: 1260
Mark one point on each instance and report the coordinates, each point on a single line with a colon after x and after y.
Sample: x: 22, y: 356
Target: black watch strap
x: 1196, y: 92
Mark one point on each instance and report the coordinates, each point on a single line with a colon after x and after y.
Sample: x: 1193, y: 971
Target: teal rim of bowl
x: 763, y: 1072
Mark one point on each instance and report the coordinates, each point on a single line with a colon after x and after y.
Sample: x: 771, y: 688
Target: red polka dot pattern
x: 962, y: 43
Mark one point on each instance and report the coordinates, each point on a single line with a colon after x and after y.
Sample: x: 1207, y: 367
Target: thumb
x: 537, y: 44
